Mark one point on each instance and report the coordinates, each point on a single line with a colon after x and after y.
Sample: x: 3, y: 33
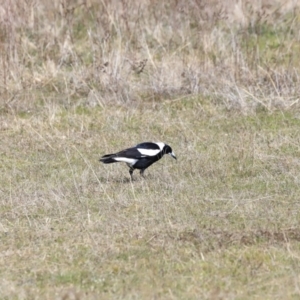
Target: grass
x: 222, y: 222
x: 83, y: 79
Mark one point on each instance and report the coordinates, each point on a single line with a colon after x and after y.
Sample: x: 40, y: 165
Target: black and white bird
x: 139, y: 157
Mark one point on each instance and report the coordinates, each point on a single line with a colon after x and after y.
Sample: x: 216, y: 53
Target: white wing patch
x: 160, y: 145
x: 129, y: 161
x: 148, y: 152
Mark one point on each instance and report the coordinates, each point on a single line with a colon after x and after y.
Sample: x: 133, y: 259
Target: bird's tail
x: 108, y: 158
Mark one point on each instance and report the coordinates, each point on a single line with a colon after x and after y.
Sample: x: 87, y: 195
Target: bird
x: 140, y: 157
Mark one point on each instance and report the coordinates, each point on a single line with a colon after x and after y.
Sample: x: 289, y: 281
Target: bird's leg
x: 131, y: 172
x: 142, y: 172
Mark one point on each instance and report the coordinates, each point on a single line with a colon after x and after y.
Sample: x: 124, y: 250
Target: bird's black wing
x: 148, y: 146
x: 130, y: 153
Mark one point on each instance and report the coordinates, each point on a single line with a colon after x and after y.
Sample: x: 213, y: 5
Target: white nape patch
x: 129, y: 161
x: 160, y: 145
x: 148, y: 152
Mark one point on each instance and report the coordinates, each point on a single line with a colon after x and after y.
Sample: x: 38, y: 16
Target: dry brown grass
x: 218, y: 82
x: 242, y: 53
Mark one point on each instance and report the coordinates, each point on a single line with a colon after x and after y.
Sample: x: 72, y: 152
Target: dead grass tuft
x: 211, y: 239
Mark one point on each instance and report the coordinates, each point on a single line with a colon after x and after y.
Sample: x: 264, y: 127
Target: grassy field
x: 219, y: 83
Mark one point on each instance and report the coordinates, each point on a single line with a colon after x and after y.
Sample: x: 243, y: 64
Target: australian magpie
x: 139, y: 157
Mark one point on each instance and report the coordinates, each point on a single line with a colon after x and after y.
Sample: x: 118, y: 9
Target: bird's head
x: 168, y: 150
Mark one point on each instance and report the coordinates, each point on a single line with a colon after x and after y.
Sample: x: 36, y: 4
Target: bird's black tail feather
x: 108, y: 158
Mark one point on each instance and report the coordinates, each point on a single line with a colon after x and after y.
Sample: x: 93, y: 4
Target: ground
x: 83, y: 79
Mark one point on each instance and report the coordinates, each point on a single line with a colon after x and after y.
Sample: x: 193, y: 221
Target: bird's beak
x: 173, y: 155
